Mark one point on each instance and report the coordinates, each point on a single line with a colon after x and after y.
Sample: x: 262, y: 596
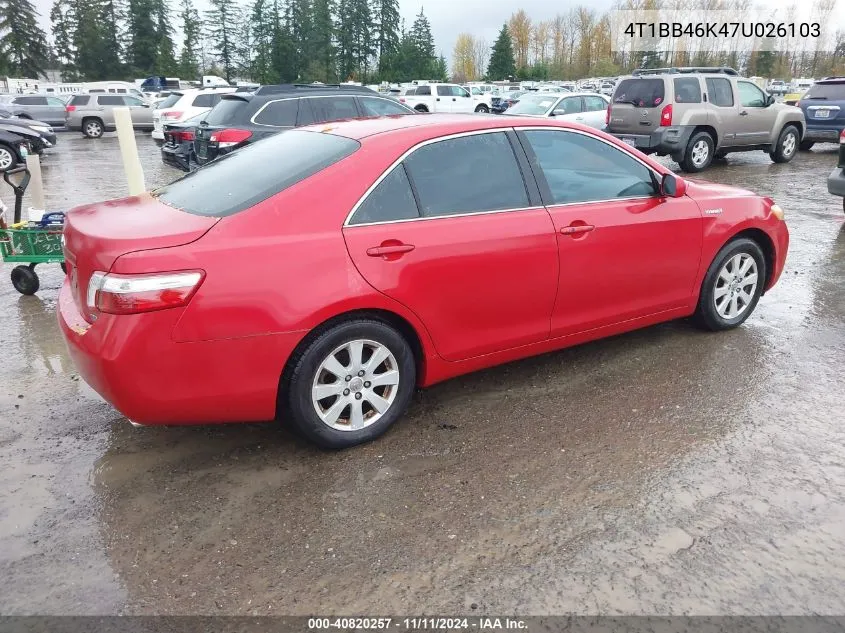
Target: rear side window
x: 642, y: 93
x: 720, y: 92
x: 207, y: 100
x: 687, y: 90
x: 278, y: 113
x: 391, y: 200
x: 225, y: 112
x: 79, y: 100
x: 374, y: 106
x: 170, y: 101
x: 110, y: 100
x: 831, y: 91
x: 594, y: 104
x: 239, y: 180
x: 423, y: 91
x: 324, y: 109
x: 471, y: 174
x: 411, y: 91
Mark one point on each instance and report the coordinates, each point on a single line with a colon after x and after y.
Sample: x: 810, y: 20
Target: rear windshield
x: 831, y: 91
x: 225, y: 111
x: 170, y: 101
x: 237, y: 181
x: 642, y: 93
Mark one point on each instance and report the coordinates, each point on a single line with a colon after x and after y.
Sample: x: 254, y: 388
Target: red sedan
x: 320, y: 275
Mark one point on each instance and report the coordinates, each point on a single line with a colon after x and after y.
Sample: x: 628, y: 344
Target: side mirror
x: 769, y: 100
x: 672, y: 186
x: 558, y: 112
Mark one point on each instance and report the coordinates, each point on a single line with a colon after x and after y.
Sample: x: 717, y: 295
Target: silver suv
x: 697, y: 114
x: 94, y: 113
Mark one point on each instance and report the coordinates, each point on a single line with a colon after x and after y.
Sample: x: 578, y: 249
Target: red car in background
x: 321, y: 275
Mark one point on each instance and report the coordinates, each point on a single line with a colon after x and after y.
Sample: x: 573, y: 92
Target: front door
x: 468, y: 254
x: 756, y: 117
x: 142, y: 113
x: 624, y: 250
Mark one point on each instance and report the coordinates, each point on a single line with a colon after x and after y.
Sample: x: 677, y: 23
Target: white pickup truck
x: 440, y: 98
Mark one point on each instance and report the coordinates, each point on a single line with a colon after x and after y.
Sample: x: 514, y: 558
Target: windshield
x: 642, y: 93
x: 832, y: 91
x: 533, y: 104
x: 237, y: 181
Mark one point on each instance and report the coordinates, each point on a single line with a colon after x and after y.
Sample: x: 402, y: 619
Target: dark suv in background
x: 242, y: 118
x: 824, y: 109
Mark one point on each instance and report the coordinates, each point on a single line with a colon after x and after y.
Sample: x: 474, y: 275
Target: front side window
x: 687, y: 90
x: 579, y: 168
x: 237, y: 181
x: 719, y: 91
x: 373, y: 106
x: 54, y: 101
x: 132, y: 101
x: 277, y: 113
x: 750, y: 96
x: 469, y: 174
x: 391, y: 200
x: 569, y: 105
x: 533, y: 104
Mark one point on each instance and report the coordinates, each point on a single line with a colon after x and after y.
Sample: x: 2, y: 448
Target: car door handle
x: 575, y: 229
x: 579, y: 118
x: 438, y: 99
x: 389, y: 249
x: 743, y: 113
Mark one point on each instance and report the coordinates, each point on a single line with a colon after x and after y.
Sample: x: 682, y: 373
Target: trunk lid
x: 95, y: 235
x: 636, y: 105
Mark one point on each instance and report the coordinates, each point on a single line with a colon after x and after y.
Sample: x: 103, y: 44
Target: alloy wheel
x: 735, y: 286
x: 92, y: 128
x: 355, y: 385
x: 7, y: 159
x: 789, y: 144
x: 700, y: 151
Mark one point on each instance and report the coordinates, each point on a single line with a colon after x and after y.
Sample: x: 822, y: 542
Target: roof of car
x: 446, y: 123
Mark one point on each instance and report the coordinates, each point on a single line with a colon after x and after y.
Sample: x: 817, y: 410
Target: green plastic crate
x: 36, y: 246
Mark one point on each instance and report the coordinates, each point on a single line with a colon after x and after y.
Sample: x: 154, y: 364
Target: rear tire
x: 727, y: 298
x: 92, y: 128
x: 8, y: 157
x: 699, y: 153
x: 787, y: 145
x: 25, y: 280
x: 421, y: 108
x: 482, y: 109
x: 370, y: 398
x: 806, y: 146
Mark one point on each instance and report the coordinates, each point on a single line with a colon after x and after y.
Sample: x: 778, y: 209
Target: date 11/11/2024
x: 419, y: 624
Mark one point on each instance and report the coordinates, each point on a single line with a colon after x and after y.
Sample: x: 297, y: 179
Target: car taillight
x: 171, y: 114
x: 70, y: 108
x: 666, y: 115
x: 183, y: 135
x: 227, y: 138
x: 842, y: 137
x: 607, y: 116
x: 131, y: 294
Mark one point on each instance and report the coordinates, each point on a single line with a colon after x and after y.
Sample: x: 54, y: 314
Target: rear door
x: 454, y: 234
x: 444, y: 99
x: 595, y: 111
x: 757, y: 118
x: 723, y: 112
x: 625, y: 251
x: 636, y: 105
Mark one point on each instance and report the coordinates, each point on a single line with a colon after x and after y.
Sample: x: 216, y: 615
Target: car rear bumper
x: 663, y: 140
x: 175, y: 158
x: 821, y: 134
x: 134, y: 364
x: 836, y: 182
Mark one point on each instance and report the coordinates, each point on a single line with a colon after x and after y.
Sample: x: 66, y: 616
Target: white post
x: 36, y: 185
x: 129, y: 151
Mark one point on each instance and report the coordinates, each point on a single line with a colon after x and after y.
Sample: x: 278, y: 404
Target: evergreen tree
x: 441, y: 70
x: 322, y: 67
x: 189, y: 60
x: 220, y: 21
x: 62, y: 21
x: 424, y: 65
x: 111, y: 20
x: 298, y: 22
x: 23, y: 44
x: 502, y: 64
x: 282, y: 49
x: 165, y: 62
x: 89, y: 41
x: 262, y: 42
x: 143, y: 48
x: 386, y: 16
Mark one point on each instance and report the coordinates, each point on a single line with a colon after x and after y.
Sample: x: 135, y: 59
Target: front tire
x: 732, y: 286
x: 25, y: 280
x: 699, y: 153
x: 351, y: 383
x: 787, y: 144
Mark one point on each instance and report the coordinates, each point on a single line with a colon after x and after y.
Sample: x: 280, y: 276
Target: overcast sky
x: 482, y: 18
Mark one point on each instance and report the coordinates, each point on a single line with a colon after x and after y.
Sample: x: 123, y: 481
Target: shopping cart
x: 30, y: 243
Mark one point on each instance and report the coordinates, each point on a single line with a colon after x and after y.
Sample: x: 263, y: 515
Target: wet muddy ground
x: 667, y: 471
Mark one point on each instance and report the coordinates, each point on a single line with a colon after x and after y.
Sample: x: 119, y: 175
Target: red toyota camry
x: 320, y: 275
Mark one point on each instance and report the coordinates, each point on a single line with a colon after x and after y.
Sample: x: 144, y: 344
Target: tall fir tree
x: 62, y: 21
x: 423, y: 67
x: 189, y: 58
x: 502, y: 64
x: 112, y: 16
x: 89, y: 40
x: 23, y: 44
x: 165, y: 63
x: 282, y: 48
x: 220, y: 22
x: 298, y: 23
x: 143, y: 47
x: 322, y: 67
x: 387, y: 39
x: 262, y: 42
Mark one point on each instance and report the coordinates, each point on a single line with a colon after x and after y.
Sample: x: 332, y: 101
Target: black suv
x: 243, y: 118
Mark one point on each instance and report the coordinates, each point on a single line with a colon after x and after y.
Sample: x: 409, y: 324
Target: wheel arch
x: 402, y: 325
x: 766, y: 244
x: 710, y: 130
x: 421, y: 108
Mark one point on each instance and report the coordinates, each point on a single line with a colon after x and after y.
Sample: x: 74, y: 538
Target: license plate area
x: 822, y: 114
x: 629, y: 140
